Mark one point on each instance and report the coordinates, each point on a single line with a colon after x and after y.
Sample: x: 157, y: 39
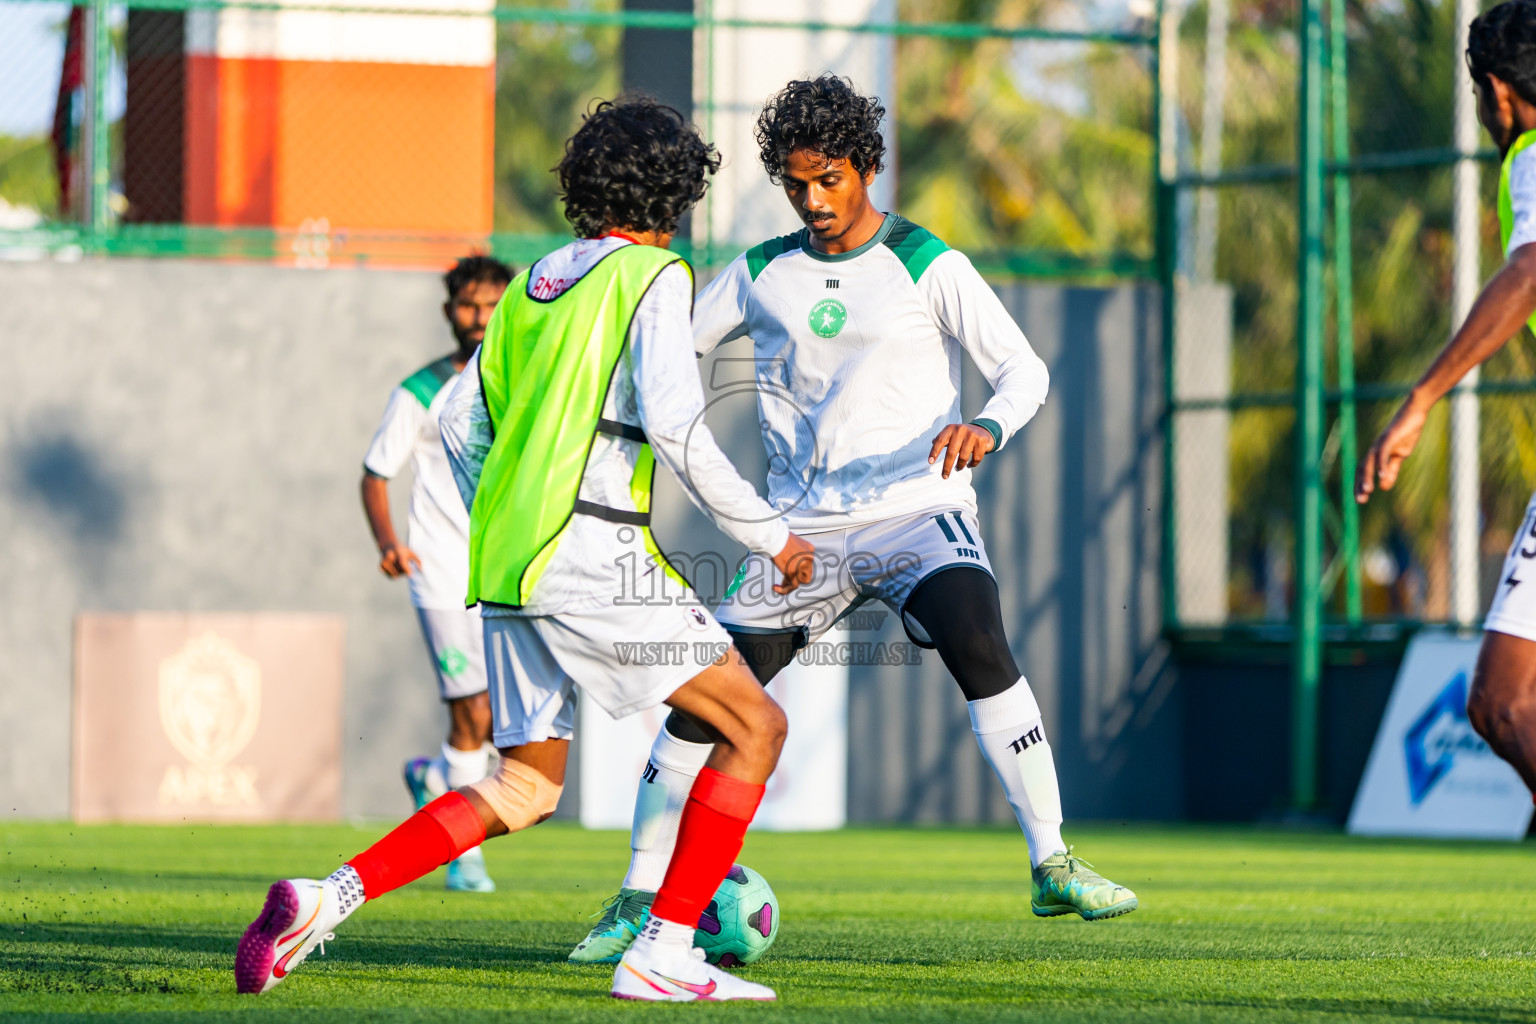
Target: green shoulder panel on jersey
x: 759, y: 256
x: 426, y: 382
x: 916, y: 247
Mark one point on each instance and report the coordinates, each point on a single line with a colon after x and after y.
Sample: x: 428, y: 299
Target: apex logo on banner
x: 1429, y: 773
x: 210, y: 703
x: 207, y: 717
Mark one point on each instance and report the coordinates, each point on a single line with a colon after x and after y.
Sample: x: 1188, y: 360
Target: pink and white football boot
x: 299, y: 915
x: 663, y: 966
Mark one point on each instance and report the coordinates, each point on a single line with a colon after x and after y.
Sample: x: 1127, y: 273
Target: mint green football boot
x: 620, y: 923
x: 1064, y: 884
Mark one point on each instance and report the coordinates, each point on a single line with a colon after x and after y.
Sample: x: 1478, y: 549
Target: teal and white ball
x: 742, y: 920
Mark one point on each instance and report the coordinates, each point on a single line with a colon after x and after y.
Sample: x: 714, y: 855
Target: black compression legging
x: 766, y: 654
x: 959, y: 610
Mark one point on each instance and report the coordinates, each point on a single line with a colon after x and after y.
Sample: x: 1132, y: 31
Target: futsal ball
x: 741, y: 922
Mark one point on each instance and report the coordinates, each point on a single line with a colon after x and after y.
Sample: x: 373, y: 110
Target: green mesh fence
x: 253, y: 130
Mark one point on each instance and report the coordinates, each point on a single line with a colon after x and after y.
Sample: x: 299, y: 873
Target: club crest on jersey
x: 828, y: 317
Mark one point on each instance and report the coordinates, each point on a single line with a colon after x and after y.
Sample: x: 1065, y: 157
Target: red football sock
x: 709, y: 837
x: 425, y: 841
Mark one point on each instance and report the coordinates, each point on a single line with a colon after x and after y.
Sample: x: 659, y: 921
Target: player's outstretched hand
x: 396, y: 560
x: 1384, y: 459
x: 797, y: 561
x: 966, y: 444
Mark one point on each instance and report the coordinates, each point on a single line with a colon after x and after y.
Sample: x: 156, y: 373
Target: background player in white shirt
x: 857, y: 325
x: 435, y: 557
x: 1501, y: 55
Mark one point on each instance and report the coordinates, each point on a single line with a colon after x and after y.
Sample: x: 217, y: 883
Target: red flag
x: 66, y: 111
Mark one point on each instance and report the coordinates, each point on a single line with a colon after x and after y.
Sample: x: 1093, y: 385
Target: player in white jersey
x: 435, y: 556
x: 857, y: 325
x: 1501, y: 56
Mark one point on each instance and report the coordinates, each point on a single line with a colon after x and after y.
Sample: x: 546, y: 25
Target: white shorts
x: 456, y: 642
x: 882, y: 561
x: 625, y: 657
x: 1514, y: 602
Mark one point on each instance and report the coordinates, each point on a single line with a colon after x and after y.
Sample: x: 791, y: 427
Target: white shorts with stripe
x: 883, y: 561
x: 1514, y: 601
x: 625, y: 657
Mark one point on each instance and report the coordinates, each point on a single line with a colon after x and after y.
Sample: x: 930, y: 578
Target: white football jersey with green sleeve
x: 438, y: 524
x: 858, y: 368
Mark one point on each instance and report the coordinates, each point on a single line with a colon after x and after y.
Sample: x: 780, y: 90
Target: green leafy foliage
x: 26, y: 173
x: 988, y: 163
x: 546, y: 77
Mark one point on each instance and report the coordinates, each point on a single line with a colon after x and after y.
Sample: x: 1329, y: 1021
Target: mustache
x: 819, y: 218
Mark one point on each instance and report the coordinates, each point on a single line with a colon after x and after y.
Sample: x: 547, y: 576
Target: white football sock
x: 464, y: 768
x: 348, y: 889
x: 664, y: 788
x: 659, y: 933
x: 1011, y: 735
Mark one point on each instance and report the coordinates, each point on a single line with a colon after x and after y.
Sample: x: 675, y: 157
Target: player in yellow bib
x: 1501, y: 55
x: 585, y: 380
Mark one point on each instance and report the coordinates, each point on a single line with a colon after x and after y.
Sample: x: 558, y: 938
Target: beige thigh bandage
x: 518, y: 794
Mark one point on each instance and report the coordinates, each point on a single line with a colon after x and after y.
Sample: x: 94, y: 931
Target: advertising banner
x: 1429, y: 773
x: 809, y: 791
x: 212, y: 717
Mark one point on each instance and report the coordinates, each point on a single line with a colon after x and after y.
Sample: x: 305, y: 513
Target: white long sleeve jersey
x: 655, y: 387
x: 858, y: 368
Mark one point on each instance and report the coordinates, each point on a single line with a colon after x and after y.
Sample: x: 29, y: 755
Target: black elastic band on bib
x: 613, y: 428
x: 612, y: 515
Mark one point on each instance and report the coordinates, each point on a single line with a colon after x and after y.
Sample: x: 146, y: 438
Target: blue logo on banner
x: 1440, y: 735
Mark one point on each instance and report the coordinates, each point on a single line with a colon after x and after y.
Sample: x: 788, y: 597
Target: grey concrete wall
x: 1073, y: 512
x: 182, y: 436
x: 189, y: 436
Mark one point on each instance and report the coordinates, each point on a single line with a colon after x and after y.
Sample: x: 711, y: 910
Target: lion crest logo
x: 210, y: 700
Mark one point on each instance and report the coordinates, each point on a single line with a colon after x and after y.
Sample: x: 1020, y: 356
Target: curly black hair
x: 634, y: 163
x: 825, y: 115
x: 1502, y: 41
x: 473, y: 270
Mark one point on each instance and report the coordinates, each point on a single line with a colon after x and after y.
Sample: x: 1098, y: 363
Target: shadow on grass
x: 1368, y: 1009
x: 140, y: 959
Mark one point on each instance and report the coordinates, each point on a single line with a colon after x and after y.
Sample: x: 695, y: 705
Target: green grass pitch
x: 111, y: 923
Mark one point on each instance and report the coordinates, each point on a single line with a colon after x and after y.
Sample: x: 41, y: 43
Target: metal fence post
x: 1344, y: 288
x: 100, y: 168
x: 1306, y: 657
x: 1466, y: 598
x: 1166, y: 150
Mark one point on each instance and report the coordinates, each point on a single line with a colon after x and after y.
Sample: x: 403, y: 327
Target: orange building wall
x: 367, y: 146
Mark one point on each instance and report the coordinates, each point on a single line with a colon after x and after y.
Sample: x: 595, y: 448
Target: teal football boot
x: 1064, y: 884
x: 466, y: 873
x: 620, y: 923
x: 424, y: 777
